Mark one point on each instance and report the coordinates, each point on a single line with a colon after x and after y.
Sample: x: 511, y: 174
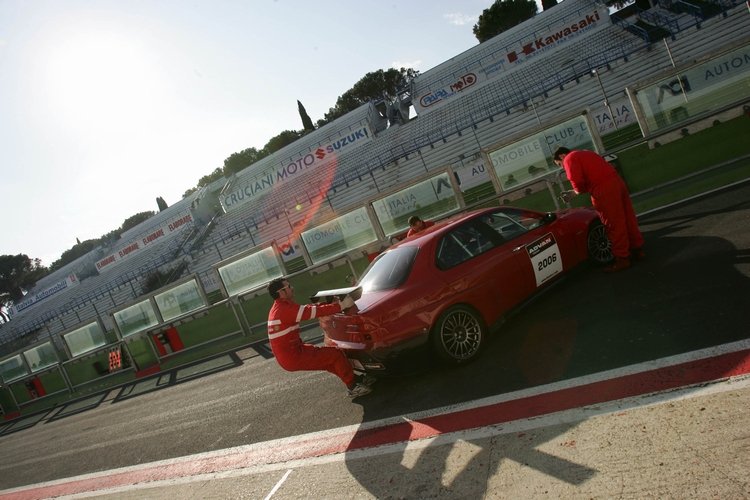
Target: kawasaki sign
x: 544, y: 41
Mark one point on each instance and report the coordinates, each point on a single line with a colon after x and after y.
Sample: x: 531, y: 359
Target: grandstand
x: 369, y: 153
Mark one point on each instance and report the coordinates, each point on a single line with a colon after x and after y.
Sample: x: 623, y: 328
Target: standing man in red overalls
x: 291, y: 353
x: 590, y: 173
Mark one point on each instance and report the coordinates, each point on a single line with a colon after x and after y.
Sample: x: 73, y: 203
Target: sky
x: 106, y: 105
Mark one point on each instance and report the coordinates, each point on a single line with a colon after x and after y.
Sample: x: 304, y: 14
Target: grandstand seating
x: 481, y: 119
x: 99, y: 293
x: 542, y: 90
x: 492, y: 52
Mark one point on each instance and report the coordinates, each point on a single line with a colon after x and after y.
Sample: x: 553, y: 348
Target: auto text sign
x: 545, y: 258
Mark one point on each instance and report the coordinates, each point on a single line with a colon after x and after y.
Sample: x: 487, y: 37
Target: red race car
x: 454, y: 282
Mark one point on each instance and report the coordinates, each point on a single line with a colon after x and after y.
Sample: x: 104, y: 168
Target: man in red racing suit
x: 294, y: 355
x: 417, y: 225
x: 590, y: 173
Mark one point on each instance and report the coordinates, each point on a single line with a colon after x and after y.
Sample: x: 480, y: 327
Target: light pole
x: 606, y: 101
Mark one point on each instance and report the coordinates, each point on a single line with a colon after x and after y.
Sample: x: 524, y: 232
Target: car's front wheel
x: 458, y: 335
x: 599, y: 246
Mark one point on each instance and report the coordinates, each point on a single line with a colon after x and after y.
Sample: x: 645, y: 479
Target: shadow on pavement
x: 692, y: 292
x: 23, y: 423
x: 78, y: 406
x: 178, y: 375
x: 165, y: 379
x: 445, y: 471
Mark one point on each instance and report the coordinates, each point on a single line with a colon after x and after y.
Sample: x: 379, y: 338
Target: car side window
x: 511, y: 223
x: 461, y: 244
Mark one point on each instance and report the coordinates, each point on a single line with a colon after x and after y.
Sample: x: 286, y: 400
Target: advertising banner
x: 526, y: 160
x: 701, y: 88
x: 620, y: 116
x: 250, y: 271
x: 339, y: 235
x: 161, y: 233
x: 471, y: 175
x: 516, y: 54
x: 289, y: 170
x: 28, y: 301
x: 430, y: 198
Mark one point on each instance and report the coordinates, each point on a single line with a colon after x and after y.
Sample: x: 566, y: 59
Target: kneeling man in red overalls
x: 292, y: 354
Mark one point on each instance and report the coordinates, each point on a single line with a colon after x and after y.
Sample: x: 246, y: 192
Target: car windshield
x: 389, y: 270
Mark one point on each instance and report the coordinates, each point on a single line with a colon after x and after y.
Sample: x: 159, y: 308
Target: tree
x: 306, y: 121
x: 238, y: 161
x: 218, y: 173
x: 19, y: 273
x: 548, y: 4
x: 79, y: 249
x: 161, y: 203
x: 136, y: 219
x: 501, y: 16
x: 283, y: 139
x: 374, y: 86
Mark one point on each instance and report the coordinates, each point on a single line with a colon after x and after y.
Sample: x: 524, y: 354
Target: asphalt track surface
x: 691, y: 294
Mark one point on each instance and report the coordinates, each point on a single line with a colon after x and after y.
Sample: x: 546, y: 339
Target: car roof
x: 445, y: 225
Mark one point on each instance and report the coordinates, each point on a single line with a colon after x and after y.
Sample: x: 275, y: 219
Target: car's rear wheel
x: 458, y: 335
x: 599, y: 246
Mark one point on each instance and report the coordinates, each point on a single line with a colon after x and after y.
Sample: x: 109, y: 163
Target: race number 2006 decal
x: 545, y: 258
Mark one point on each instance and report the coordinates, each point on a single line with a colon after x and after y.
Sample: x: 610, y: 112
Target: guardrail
x: 631, y: 28
x: 660, y: 20
x: 682, y: 6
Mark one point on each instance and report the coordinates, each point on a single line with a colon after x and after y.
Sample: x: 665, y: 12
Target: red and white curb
x: 575, y: 399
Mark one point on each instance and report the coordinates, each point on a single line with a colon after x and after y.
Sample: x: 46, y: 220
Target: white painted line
x: 523, y: 425
x: 278, y: 485
x: 340, y: 433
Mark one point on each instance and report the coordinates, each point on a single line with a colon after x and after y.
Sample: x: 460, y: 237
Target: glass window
x: 389, y: 270
x: 41, y: 357
x: 510, y: 223
x: 85, y: 339
x: 250, y: 272
x: 702, y: 88
x: 135, y: 318
x: 463, y: 243
x: 429, y: 199
x: 12, y: 369
x: 339, y: 236
x: 179, y: 300
x: 530, y: 158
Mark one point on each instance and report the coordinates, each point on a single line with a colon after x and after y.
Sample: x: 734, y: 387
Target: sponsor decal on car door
x: 545, y: 258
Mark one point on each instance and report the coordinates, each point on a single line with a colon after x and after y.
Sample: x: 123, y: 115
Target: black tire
x: 458, y: 335
x: 599, y: 246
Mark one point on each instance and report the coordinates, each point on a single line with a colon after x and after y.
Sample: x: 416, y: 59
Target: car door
x: 534, y: 241
x: 480, y: 269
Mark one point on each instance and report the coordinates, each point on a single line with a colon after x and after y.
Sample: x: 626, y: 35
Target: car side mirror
x: 549, y: 217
